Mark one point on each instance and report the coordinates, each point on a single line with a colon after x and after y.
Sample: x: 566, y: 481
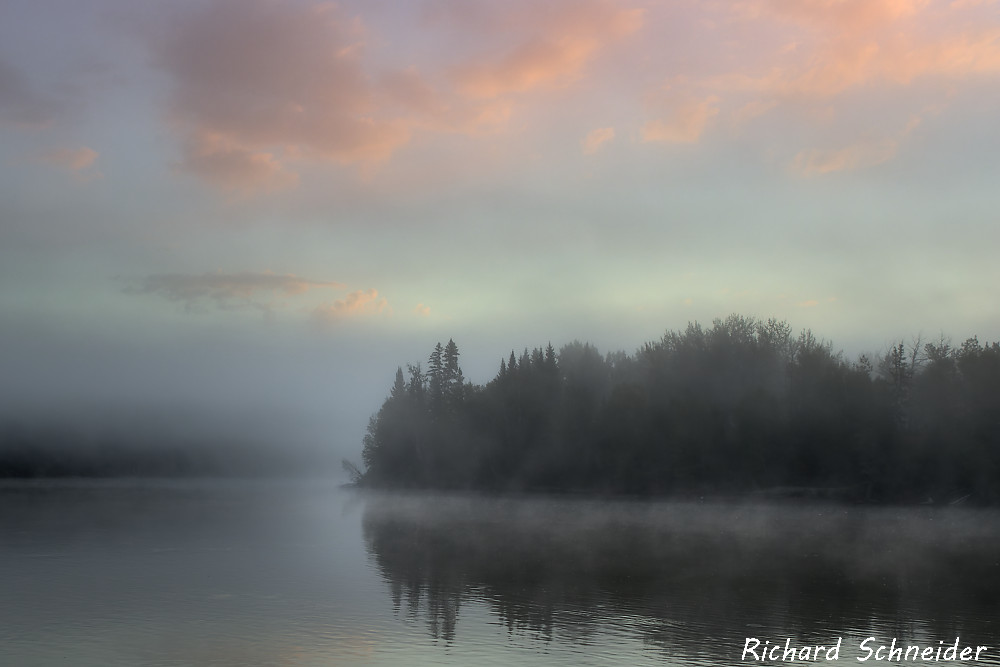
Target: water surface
x: 306, y: 573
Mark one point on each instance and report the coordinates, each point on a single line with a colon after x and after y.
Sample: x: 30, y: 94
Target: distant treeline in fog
x: 744, y: 406
x: 30, y: 448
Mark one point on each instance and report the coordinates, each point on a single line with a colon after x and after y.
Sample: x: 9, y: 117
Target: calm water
x: 305, y: 573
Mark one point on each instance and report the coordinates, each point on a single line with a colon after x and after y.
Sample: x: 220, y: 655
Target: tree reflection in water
x: 694, y: 579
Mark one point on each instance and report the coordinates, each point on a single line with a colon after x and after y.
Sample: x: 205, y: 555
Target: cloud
x: 232, y: 167
x: 257, y: 88
x: 595, y: 138
x: 361, y: 302
x: 845, y: 54
x: 422, y: 310
x: 844, y: 65
x: 684, y: 121
x: 80, y: 161
x: 855, y: 156
x: 439, y: 108
x: 809, y: 303
x: 508, y: 51
x: 21, y: 104
x: 752, y: 110
x: 74, y: 159
x: 842, y: 47
x: 228, y: 291
x: 543, y: 45
x: 268, y: 82
x: 847, y: 15
x: 966, y: 4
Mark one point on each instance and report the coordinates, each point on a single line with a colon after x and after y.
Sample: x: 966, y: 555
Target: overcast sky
x: 265, y: 207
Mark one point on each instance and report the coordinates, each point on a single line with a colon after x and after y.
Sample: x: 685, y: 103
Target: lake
x: 208, y: 572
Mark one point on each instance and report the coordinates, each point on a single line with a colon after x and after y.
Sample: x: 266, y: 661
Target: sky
x: 257, y: 209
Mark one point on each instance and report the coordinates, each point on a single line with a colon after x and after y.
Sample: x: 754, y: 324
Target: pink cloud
x: 858, y: 155
x: 856, y: 43
x: 596, y: 138
x: 847, y: 15
x: 361, y: 302
x: 74, y: 159
x: 966, y: 4
x: 684, y: 120
x: 850, y: 157
x: 898, y: 59
x: 544, y: 45
x: 80, y: 161
x: 819, y: 56
x: 438, y: 108
x: 233, y: 167
x: 267, y: 81
x: 260, y: 88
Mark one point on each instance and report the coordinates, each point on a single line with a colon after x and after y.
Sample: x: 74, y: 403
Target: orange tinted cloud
x: 596, y: 138
x: 855, y: 156
x: 268, y: 80
x: 854, y: 43
x: 840, y: 67
x: 818, y: 55
x: 74, y: 159
x: 545, y: 45
x: 439, y: 108
x: 260, y: 87
x: 848, y: 15
x: 961, y: 55
x: 80, y: 161
x: 684, y: 121
x: 966, y: 4
x: 233, y: 167
x: 851, y: 157
x: 361, y: 302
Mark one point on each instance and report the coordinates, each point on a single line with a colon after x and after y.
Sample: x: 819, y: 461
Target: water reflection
x: 692, y: 579
x: 293, y: 573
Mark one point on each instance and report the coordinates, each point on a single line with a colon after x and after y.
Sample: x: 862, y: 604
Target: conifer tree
x: 435, y: 373
x: 550, y: 358
x: 399, y: 386
x: 452, y: 379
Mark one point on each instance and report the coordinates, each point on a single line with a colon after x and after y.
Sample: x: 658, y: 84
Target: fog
x: 268, y: 384
x: 701, y: 574
x: 211, y: 387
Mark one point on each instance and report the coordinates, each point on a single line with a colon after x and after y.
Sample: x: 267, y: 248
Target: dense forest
x: 744, y: 406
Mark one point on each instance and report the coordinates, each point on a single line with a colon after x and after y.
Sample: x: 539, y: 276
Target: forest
x: 742, y: 407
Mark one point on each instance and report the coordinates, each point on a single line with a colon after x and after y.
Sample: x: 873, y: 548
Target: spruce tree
x: 435, y: 373
x: 453, y: 381
x: 399, y: 386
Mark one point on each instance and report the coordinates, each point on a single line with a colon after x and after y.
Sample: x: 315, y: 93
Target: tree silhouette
x: 742, y: 406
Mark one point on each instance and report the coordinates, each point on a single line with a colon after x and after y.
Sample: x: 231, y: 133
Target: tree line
x: 742, y: 406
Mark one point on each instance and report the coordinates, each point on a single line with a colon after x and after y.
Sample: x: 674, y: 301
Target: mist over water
x: 213, y: 572
x: 698, y: 575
